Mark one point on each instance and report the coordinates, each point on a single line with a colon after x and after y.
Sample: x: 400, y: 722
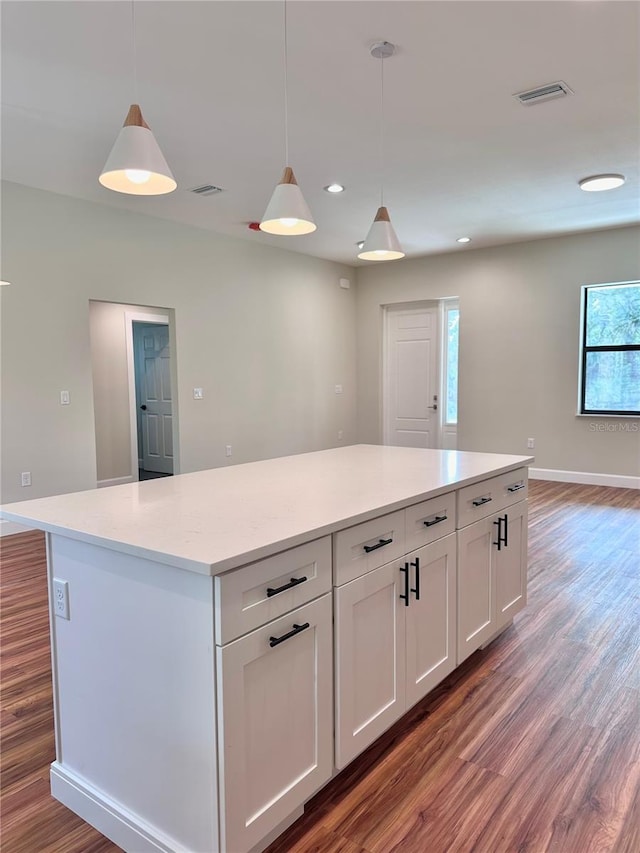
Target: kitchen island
x: 210, y: 630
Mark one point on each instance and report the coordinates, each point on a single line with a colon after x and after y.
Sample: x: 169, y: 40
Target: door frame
x: 418, y: 305
x: 132, y: 317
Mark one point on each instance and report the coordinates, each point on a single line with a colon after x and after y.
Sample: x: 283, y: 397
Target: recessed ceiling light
x: 598, y: 183
x: 463, y: 240
x: 360, y: 244
x: 334, y: 188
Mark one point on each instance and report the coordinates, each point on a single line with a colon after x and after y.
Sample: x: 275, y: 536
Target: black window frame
x: 587, y: 349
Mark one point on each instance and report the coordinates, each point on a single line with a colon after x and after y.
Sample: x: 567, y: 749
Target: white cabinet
x: 492, y: 575
x: 275, y: 722
x: 395, y: 640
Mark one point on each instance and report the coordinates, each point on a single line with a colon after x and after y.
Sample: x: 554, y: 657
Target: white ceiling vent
x: 206, y: 189
x: 544, y: 93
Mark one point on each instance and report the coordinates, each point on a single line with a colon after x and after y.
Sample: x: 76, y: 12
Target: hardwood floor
x: 532, y: 745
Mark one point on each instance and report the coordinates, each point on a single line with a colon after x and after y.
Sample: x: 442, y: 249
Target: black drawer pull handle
x: 380, y: 544
x: 515, y: 488
x: 293, y: 582
x: 436, y: 520
x: 502, y: 540
x: 274, y: 641
x: 416, y: 588
x: 481, y: 501
x: 405, y: 597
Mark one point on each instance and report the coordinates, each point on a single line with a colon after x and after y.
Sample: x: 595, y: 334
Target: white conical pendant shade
x: 287, y: 212
x: 136, y: 164
x: 381, y: 243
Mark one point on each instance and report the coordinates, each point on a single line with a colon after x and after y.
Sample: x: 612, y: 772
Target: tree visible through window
x: 611, y: 350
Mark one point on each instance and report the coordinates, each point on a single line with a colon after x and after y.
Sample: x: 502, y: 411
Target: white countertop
x: 212, y: 521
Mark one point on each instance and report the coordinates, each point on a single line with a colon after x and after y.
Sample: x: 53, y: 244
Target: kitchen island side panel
x: 134, y: 679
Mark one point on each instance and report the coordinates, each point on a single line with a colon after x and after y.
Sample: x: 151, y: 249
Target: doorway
x: 150, y: 395
x: 417, y: 388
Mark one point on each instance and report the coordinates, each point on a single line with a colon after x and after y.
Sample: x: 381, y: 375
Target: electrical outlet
x: 531, y: 443
x: 340, y: 433
x: 197, y: 394
x: 227, y: 450
x: 338, y: 389
x: 25, y: 478
x: 61, y: 598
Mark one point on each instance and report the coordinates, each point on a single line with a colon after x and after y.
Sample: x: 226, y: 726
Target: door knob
x: 435, y: 407
x: 143, y: 407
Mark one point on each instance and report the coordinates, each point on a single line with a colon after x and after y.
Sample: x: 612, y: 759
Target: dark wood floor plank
x: 531, y: 746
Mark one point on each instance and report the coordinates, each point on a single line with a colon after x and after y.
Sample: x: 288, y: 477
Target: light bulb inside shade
x: 598, y: 183
x: 137, y: 176
x: 288, y: 222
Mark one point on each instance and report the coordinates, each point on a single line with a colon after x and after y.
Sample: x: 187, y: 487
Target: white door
x: 411, y: 377
x: 275, y: 729
x: 370, y: 663
x: 511, y: 565
x: 153, y: 356
x: 431, y: 617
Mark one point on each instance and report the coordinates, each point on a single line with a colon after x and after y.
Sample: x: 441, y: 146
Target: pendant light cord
x: 133, y: 51
x: 382, y: 132
x: 286, y: 91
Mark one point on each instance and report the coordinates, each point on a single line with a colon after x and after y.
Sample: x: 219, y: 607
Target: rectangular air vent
x: 206, y: 189
x: 544, y: 93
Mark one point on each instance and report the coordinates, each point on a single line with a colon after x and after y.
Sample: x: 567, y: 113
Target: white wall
x: 519, y: 341
x: 266, y: 332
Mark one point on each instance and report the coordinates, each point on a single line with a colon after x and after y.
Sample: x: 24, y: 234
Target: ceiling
x: 462, y: 156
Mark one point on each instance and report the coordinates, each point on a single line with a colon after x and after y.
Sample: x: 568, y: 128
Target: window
x: 610, y: 357
x: 451, y: 327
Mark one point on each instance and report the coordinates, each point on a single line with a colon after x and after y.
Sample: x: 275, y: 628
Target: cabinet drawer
x: 362, y: 548
x: 489, y: 496
x: 255, y: 594
x: 514, y: 486
x: 430, y: 520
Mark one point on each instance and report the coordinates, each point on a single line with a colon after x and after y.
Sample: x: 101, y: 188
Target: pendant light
x: 287, y: 213
x: 136, y: 165
x: 381, y: 243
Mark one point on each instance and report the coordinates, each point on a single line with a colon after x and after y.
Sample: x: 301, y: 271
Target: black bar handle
x: 515, y: 488
x: 506, y: 531
x: 416, y: 589
x: 405, y: 597
x: 293, y: 582
x: 498, y: 521
x: 480, y: 501
x: 274, y: 641
x: 380, y: 544
x: 436, y: 520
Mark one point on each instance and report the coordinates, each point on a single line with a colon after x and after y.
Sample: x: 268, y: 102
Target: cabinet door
x: 370, y: 658
x: 511, y: 566
x: 431, y: 617
x: 476, y: 591
x: 275, y: 723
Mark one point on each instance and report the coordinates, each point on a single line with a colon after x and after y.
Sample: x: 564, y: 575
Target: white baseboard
x: 117, y: 481
x: 621, y: 481
x: 8, y: 528
x: 123, y: 828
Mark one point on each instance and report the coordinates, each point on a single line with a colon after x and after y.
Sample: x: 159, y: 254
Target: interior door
x: 411, y: 377
x: 153, y: 359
